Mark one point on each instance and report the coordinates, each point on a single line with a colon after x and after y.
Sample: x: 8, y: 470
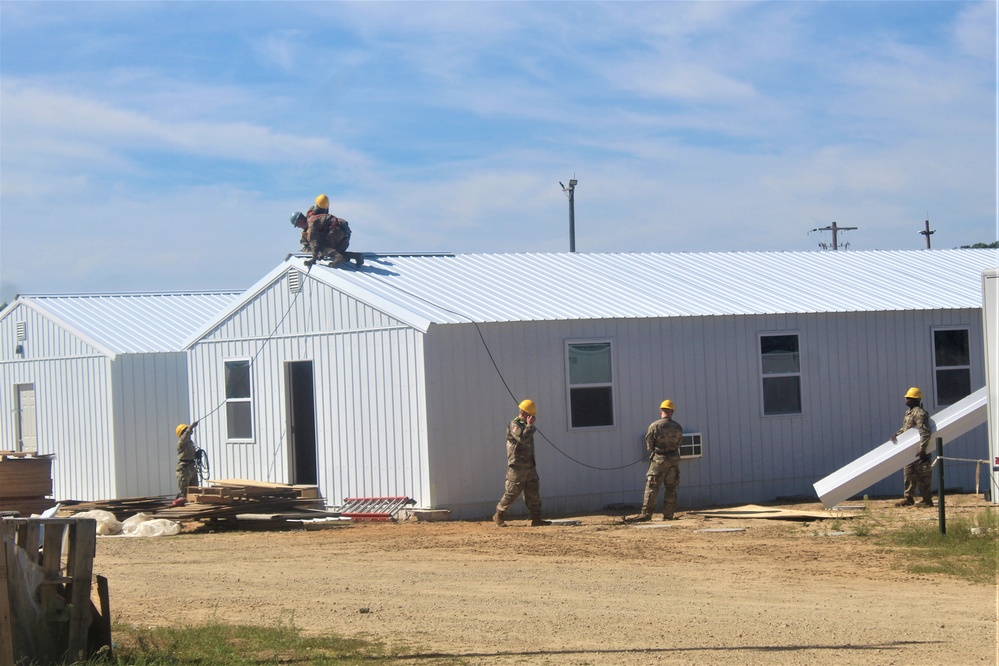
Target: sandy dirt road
x: 777, y: 592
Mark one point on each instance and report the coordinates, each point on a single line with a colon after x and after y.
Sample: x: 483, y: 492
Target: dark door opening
x: 301, y: 412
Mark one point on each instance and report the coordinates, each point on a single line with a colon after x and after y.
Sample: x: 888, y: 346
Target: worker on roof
x: 325, y: 236
x: 919, y: 473
x: 187, y: 459
x: 662, y: 440
x: 521, y: 469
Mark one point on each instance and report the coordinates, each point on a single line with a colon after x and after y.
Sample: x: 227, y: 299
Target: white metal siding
x: 72, y: 402
x: 368, y: 376
x: 855, y: 368
x: 150, y: 399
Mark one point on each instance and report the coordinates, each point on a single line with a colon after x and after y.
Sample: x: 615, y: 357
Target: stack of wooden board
x: 122, y: 508
x: 25, y: 482
x: 228, y: 499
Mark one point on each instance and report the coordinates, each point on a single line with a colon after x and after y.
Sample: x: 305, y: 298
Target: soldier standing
x: 521, y: 470
x: 187, y: 459
x: 918, y: 474
x: 663, y: 442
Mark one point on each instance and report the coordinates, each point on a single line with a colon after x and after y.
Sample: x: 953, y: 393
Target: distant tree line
x: 994, y: 245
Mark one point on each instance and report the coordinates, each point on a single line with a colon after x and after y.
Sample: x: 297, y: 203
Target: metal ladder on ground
x: 373, y: 508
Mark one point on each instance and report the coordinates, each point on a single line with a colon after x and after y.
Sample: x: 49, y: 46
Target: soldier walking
x: 918, y: 474
x: 521, y: 470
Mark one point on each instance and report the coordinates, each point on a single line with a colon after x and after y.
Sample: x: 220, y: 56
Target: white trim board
x: 875, y: 465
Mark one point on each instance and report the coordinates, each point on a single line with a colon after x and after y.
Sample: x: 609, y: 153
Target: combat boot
x: 336, y: 259
x: 926, y: 502
x: 499, y: 518
x: 906, y: 501
x: 537, y: 522
x: 640, y: 518
x: 668, y: 516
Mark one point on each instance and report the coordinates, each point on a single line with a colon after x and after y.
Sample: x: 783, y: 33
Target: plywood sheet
x: 770, y: 512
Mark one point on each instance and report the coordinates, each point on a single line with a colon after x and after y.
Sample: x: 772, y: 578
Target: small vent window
x: 22, y: 331
x: 690, y: 447
x: 294, y: 281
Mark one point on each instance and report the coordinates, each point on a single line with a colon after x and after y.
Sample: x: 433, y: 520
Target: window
x: 781, y: 369
x: 690, y: 447
x: 238, y: 404
x: 952, y: 365
x: 591, y: 389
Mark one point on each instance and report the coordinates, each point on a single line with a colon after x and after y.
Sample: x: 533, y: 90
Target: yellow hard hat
x: 667, y: 404
x: 181, y: 428
x: 914, y: 393
x: 323, y: 201
x: 529, y: 407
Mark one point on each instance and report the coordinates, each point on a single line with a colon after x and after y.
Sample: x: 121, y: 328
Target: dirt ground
x: 600, y: 592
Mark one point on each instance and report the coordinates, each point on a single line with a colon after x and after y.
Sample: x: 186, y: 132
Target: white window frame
x: 569, y: 386
x: 776, y: 375
x: 693, y: 444
x: 239, y: 400
x: 937, y: 368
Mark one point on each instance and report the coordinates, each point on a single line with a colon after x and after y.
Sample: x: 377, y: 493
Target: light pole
x: 570, y: 192
x: 835, y: 233
x: 928, y: 232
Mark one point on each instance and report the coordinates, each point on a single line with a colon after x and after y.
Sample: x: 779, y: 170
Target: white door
x: 26, y: 437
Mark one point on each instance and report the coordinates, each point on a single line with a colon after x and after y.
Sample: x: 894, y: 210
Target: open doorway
x: 301, y: 414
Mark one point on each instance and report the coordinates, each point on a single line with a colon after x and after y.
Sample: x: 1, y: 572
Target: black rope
x: 261, y: 348
x: 499, y: 373
x: 201, y: 464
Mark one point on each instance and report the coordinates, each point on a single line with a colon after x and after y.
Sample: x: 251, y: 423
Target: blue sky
x: 162, y: 146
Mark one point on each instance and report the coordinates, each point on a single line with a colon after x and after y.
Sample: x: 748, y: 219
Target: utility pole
x: 835, y: 230
x: 571, y: 193
x: 927, y: 232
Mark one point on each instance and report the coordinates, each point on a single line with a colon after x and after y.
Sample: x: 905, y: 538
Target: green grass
x: 224, y: 645
x: 969, y: 549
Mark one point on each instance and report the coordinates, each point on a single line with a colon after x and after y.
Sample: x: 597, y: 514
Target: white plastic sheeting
x: 875, y: 465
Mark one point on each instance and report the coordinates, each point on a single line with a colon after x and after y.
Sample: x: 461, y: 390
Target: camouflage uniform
x: 918, y: 474
x: 327, y: 235
x: 187, y: 469
x: 521, y: 472
x: 663, y: 441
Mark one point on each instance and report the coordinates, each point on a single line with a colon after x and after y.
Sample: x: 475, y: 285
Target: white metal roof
x: 131, y: 323
x: 536, y: 287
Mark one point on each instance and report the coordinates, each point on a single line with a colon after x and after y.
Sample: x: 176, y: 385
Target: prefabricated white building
x: 100, y: 380
x: 398, y: 378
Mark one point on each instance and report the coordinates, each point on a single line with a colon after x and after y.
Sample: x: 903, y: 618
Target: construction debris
x: 374, y: 508
x: 228, y: 500
x: 771, y: 512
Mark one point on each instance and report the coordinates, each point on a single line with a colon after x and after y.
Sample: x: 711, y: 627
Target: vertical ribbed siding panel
x: 369, y: 428
x: 74, y: 423
x: 850, y: 377
x: 72, y: 393
x: 153, y: 400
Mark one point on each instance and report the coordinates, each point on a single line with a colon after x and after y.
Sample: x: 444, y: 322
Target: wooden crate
x: 25, y: 475
x: 46, y: 570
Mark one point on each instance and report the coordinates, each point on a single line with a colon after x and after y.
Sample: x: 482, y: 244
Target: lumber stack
x: 25, y: 482
x: 228, y: 499
x: 122, y: 508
